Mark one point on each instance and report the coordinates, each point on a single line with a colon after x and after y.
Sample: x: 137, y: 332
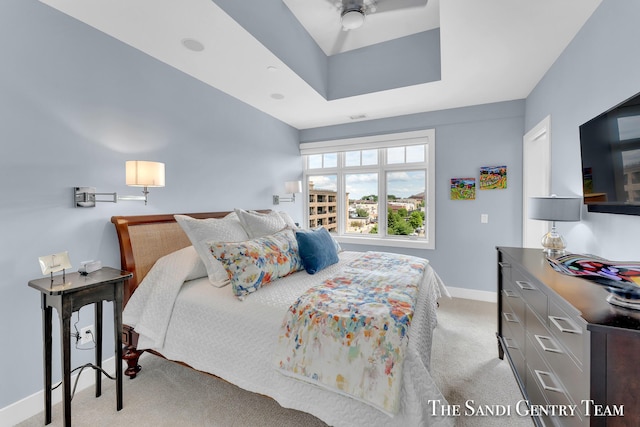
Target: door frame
x: 538, y: 169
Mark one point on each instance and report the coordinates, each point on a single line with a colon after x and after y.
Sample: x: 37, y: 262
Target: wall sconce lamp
x: 554, y: 208
x: 138, y: 174
x: 291, y: 187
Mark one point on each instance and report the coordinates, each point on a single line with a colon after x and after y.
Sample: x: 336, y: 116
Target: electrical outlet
x: 87, y: 334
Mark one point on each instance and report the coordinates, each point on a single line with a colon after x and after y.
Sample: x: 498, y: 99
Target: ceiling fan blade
x: 338, y: 4
x: 388, y: 5
x: 357, y: 4
x: 340, y: 41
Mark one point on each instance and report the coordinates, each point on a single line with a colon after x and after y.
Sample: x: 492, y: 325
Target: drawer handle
x: 526, y: 286
x: 542, y: 338
x: 504, y: 264
x: 570, y: 328
x: 540, y: 374
x: 509, y: 343
x: 510, y: 317
x: 509, y: 293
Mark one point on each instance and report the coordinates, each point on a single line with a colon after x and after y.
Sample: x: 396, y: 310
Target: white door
x: 536, y: 179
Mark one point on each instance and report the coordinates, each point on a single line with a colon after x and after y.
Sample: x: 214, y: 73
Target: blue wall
x: 402, y: 62
x: 466, y: 139
x: 75, y: 105
x: 598, y: 70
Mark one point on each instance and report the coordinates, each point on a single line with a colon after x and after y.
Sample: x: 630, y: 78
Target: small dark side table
x: 68, y: 296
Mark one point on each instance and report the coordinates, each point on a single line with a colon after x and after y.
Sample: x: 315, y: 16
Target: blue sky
x: 400, y: 184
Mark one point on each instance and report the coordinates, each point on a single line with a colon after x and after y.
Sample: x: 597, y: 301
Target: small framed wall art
x: 463, y: 188
x: 493, y: 177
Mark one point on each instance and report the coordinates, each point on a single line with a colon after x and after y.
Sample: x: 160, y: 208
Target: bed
x: 236, y: 339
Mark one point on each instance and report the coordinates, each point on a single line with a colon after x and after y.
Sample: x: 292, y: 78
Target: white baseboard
x: 487, y: 296
x: 34, y: 404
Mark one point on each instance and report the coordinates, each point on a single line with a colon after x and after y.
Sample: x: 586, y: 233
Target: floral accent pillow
x: 254, y: 263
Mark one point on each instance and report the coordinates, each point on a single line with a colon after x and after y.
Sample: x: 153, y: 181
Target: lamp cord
x: 75, y: 384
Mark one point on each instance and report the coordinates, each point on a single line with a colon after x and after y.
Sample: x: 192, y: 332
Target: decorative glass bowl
x: 620, y: 279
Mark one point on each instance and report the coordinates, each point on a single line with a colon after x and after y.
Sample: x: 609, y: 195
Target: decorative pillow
x: 317, y: 249
x: 288, y: 220
x: 201, y: 231
x: 194, y: 263
x: 186, y: 260
x: 335, y: 242
x: 254, y: 263
x: 258, y: 224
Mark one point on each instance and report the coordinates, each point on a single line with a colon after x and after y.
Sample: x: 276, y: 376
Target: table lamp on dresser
x: 554, y: 208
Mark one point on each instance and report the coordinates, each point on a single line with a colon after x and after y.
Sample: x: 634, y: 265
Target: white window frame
x: 426, y: 137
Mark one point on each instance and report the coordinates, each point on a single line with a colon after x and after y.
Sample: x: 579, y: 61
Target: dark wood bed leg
x: 132, y: 355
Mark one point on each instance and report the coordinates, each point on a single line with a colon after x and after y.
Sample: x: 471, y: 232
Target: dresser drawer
x: 542, y: 381
x: 505, y: 270
x: 570, y: 330
x: 535, y: 397
x: 512, y: 299
x: 514, y: 322
x: 531, y: 292
x: 574, y: 381
x: 515, y: 350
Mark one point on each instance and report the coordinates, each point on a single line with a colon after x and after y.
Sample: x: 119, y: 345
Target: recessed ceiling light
x: 193, y: 44
x: 277, y: 96
x: 272, y: 68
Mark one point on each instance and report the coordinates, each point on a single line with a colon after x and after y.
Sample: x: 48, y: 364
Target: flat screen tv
x: 610, y: 146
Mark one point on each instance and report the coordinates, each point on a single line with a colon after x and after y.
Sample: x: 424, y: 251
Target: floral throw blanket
x: 349, y: 334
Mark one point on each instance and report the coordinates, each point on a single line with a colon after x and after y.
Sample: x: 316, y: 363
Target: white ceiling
x: 491, y: 51
x: 322, y: 21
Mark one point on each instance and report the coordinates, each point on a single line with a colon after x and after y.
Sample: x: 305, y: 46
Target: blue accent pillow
x: 317, y: 249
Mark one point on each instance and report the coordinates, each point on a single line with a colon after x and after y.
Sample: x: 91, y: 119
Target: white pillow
x: 186, y: 260
x: 288, y: 220
x: 258, y: 224
x: 190, y: 256
x: 200, y: 231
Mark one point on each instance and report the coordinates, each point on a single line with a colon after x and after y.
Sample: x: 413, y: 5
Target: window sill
x: 374, y: 241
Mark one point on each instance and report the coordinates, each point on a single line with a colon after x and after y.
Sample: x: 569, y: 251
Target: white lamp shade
x: 293, y: 187
x: 144, y: 174
x: 555, y: 208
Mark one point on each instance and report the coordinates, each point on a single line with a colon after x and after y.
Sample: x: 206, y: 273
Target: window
x: 375, y: 190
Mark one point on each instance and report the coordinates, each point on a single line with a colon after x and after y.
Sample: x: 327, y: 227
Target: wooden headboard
x: 143, y: 239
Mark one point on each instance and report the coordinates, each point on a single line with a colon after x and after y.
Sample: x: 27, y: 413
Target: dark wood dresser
x: 572, y: 353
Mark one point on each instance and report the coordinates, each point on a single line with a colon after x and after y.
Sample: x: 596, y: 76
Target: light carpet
x: 464, y: 364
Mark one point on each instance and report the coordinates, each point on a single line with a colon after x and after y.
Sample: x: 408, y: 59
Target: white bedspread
x: 212, y: 331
